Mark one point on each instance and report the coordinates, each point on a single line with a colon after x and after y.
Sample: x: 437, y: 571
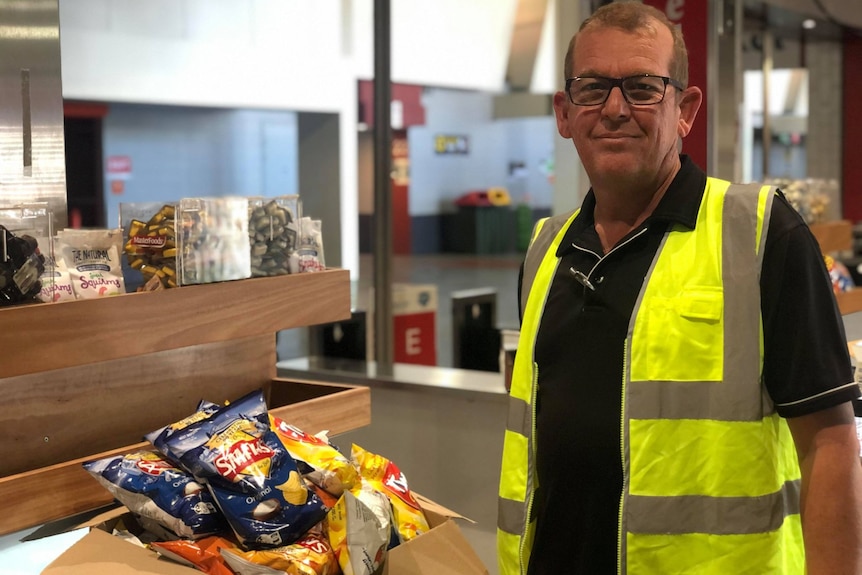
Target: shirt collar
x: 679, y: 205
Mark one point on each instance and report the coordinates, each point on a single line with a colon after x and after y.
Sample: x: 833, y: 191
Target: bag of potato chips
x: 330, y: 470
x: 384, y: 476
x: 359, y: 530
x: 252, y: 477
x: 311, y: 555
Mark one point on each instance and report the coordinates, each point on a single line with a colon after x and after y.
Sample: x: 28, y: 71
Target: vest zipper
x: 532, y: 456
x: 620, y: 533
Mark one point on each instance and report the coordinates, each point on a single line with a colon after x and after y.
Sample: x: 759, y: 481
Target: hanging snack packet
x: 385, y: 476
x: 251, y: 475
x: 152, y: 487
x: 203, y: 554
x: 359, y: 529
x: 56, y: 281
x: 159, y: 437
x: 330, y: 470
x: 311, y: 555
x: 93, y: 260
x: 310, y: 249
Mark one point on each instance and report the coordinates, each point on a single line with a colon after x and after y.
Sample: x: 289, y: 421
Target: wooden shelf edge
x: 45, y: 337
x: 849, y: 301
x: 833, y: 236
x: 58, y: 491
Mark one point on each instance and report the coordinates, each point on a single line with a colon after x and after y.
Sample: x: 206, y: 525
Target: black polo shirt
x: 579, y: 352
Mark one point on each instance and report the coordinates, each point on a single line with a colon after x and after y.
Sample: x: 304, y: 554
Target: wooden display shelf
x: 56, y: 491
x: 89, y: 378
x: 849, y: 301
x: 833, y: 236
x: 60, y: 335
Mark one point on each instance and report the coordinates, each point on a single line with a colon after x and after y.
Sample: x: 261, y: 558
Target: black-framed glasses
x: 640, y: 90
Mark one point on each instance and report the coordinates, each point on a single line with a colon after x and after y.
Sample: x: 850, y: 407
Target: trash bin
x: 475, y: 337
x: 524, y: 226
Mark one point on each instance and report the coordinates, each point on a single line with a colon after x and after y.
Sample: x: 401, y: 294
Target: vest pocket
x: 682, y: 337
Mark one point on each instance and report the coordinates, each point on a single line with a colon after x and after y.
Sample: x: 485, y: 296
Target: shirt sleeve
x: 806, y: 362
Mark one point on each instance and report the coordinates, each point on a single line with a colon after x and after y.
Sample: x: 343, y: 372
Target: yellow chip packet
x: 311, y: 555
x: 332, y: 471
x: 384, y: 476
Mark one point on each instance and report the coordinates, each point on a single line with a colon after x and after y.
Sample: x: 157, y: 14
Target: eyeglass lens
x: 590, y: 91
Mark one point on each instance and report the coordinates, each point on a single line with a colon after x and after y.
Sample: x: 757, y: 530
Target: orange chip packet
x: 385, y: 476
x: 311, y: 555
x: 332, y: 471
x: 204, y: 554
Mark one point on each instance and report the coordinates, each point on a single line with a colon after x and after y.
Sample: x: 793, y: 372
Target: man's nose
x: 616, y: 105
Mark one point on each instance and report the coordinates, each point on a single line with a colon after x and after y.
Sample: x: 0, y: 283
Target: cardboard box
x: 441, y: 551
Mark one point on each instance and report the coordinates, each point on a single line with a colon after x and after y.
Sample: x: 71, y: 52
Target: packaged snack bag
x: 56, y: 281
x: 203, y: 554
x: 93, y: 260
x: 385, y: 476
x: 359, y: 530
x: 250, y: 474
x: 152, y: 487
x: 311, y: 555
x: 329, y: 469
x: 159, y: 437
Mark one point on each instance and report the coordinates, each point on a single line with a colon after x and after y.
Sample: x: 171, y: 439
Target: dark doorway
x: 84, y: 182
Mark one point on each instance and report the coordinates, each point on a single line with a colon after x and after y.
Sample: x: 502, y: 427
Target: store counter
x: 419, y: 378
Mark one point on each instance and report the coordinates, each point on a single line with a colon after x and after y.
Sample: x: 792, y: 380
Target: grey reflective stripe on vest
x: 511, y: 516
x: 520, y: 416
x: 734, y: 398
x: 536, y: 253
x: 716, y: 515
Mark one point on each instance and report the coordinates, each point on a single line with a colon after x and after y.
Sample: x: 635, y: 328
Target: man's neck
x: 623, y: 206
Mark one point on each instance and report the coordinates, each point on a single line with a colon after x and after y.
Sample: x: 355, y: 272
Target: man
x: 680, y: 400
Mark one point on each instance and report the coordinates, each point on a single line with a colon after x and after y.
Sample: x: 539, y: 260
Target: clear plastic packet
x: 56, y: 280
x: 93, y: 260
x: 22, y: 261
x: 213, y: 240
x: 273, y: 234
x: 309, y: 253
x: 150, y: 245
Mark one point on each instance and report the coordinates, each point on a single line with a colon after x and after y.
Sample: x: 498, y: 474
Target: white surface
x: 31, y: 557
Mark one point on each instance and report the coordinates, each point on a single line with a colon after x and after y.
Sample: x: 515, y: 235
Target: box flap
x: 441, y: 551
x: 434, y: 507
x: 100, y: 552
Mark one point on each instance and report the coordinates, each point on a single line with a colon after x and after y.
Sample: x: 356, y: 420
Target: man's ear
x: 561, y: 111
x: 689, y: 100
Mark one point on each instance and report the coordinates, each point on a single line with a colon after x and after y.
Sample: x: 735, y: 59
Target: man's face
x: 619, y: 142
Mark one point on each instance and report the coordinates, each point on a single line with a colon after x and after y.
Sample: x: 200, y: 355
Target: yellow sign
x: 451, y: 144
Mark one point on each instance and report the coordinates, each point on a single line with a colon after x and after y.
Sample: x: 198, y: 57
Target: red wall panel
x: 852, y: 127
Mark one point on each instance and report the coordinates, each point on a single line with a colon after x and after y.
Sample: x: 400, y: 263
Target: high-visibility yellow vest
x: 711, y: 479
